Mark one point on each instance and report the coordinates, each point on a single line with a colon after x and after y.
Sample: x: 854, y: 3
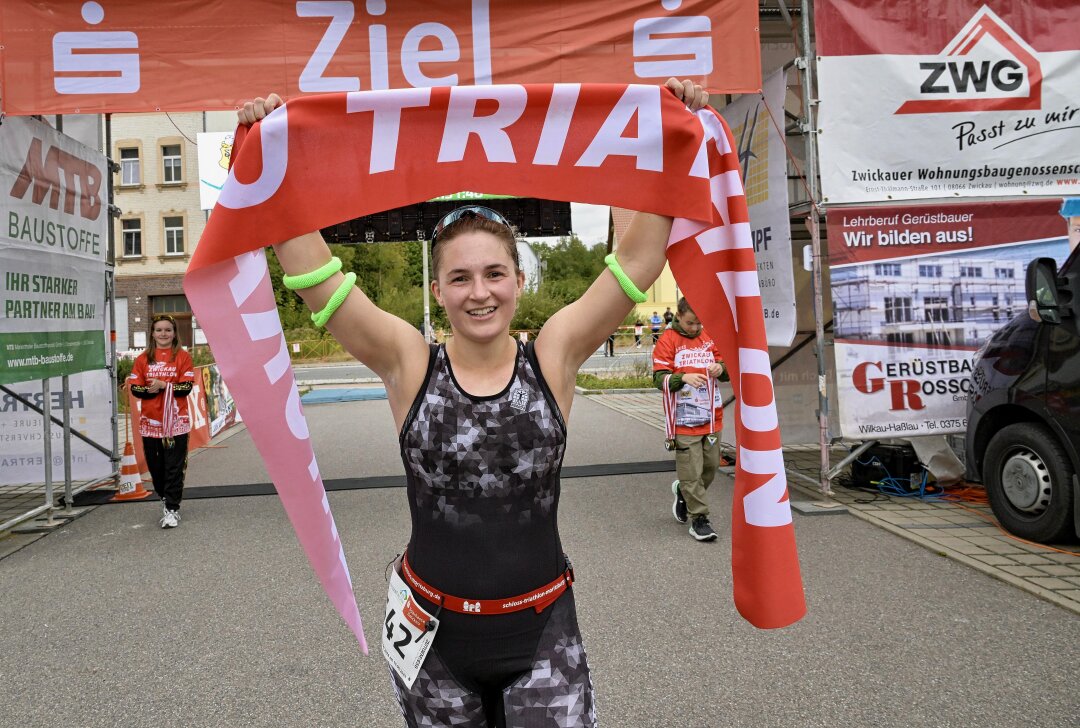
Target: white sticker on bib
x: 405, y: 642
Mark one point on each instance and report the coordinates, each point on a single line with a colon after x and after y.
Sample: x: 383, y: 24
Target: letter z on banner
x: 627, y: 145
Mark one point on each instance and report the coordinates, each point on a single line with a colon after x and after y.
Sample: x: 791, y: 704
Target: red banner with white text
x: 59, y: 56
x: 317, y: 161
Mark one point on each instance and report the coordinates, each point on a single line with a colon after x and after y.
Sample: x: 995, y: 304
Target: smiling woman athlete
x: 482, y: 431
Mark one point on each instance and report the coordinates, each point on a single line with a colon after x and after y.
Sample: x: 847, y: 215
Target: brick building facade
x: 157, y: 192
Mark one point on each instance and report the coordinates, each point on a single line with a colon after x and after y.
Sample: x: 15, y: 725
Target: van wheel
x: 1029, y: 482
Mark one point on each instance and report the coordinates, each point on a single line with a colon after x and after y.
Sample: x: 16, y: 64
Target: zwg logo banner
x: 965, y: 98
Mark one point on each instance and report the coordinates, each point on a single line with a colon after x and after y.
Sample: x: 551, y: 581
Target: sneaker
x: 701, y: 529
x: 171, y: 519
x: 726, y: 461
x: 678, y: 508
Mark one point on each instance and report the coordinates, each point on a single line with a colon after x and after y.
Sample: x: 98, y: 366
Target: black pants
x: 609, y: 346
x: 167, y: 467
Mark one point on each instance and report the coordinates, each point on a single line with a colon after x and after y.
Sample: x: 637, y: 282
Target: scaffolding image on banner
x: 916, y: 291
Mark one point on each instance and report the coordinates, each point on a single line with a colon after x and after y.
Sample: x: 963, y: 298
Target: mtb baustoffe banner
x: 916, y: 291
x: 53, y: 240
x: 958, y: 98
x: 764, y: 172
x: 22, y: 457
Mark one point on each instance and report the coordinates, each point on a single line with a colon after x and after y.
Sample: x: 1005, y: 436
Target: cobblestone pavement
x: 963, y: 531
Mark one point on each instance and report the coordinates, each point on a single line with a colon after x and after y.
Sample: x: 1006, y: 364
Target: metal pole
x: 46, y: 406
x: 806, y: 64
x: 69, y: 496
x: 110, y: 290
x: 66, y: 390
x: 428, y: 334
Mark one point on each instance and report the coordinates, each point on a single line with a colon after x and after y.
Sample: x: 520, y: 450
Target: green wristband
x: 628, y: 286
x: 315, y: 277
x: 335, y: 301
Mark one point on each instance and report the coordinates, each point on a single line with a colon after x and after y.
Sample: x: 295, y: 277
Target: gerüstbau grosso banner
x: 60, y: 56
x: 916, y: 291
x: 764, y: 170
x: 960, y: 98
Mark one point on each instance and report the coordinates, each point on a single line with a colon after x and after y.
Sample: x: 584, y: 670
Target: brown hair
x: 683, y: 307
x: 475, y: 224
x: 152, y: 345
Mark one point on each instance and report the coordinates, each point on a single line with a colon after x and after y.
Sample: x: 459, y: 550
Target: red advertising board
x: 61, y: 56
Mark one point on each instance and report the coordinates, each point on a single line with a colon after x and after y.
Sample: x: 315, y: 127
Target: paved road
x: 356, y: 372
x: 112, y: 622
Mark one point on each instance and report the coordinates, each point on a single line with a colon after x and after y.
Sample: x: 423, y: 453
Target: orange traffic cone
x: 131, y: 487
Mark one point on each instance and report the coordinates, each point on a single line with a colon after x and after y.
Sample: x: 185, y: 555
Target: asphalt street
x: 355, y: 371
x: 111, y: 621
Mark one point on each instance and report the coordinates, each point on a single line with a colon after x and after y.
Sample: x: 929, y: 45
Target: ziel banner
x: 962, y: 98
x: 61, y: 56
x: 916, y: 291
x: 764, y: 172
x: 53, y: 243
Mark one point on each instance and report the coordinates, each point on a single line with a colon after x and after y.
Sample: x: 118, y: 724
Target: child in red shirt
x: 686, y: 366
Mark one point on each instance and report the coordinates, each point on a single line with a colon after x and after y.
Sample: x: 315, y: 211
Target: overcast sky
x: 590, y: 222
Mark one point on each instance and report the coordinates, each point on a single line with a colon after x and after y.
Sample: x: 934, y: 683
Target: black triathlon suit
x: 483, y: 486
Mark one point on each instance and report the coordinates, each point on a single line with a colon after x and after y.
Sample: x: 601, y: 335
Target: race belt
x: 538, y: 599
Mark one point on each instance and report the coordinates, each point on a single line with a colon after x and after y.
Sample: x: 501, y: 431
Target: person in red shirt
x: 686, y: 366
x: 162, y: 377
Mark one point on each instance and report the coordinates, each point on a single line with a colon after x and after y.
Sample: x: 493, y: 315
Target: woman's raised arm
x: 391, y: 347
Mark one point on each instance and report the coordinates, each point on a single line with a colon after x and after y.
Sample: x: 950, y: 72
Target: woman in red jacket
x: 162, y: 378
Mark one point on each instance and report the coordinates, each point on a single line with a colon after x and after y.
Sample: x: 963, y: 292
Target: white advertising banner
x: 53, y: 245
x: 916, y: 290
x: 962, y: 98
x: 215, y: 149
x: 764, y: 171
x: 22, y: 453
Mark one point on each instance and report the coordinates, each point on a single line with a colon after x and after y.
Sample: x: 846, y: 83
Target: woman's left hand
x: 715, y: 370
x: 691, y: 94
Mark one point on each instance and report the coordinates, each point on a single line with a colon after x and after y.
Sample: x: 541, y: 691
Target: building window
x: 936, y: 309
x: 886, y: 269
x: 897, y: 310
x: 930, y: 271
x: 130, y: 172
x: 1005, y: 273
x: 902, y: 338
x: 170, y: 305
x: 938, y: 338
x: 174, y: 235
x: 970, y: 271
x: 171, y: 163
x: 132, y: 238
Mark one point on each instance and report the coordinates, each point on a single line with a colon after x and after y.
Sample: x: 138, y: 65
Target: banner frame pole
x: 809, y: 127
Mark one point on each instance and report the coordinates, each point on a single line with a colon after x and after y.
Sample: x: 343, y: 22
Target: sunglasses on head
x: 163, y: 317
x: 466, y: 212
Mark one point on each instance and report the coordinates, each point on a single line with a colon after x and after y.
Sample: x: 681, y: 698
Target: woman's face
x: 477, y: 285
x: 164, y: 332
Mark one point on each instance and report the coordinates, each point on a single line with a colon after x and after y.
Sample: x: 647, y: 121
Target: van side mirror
x: 1041, y: 286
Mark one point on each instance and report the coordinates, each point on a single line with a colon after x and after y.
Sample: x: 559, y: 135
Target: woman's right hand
x: 257, y: 109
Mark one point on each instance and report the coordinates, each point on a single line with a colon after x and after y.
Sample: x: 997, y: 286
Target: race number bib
x: 693, y: 406
x: 406, y: 639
